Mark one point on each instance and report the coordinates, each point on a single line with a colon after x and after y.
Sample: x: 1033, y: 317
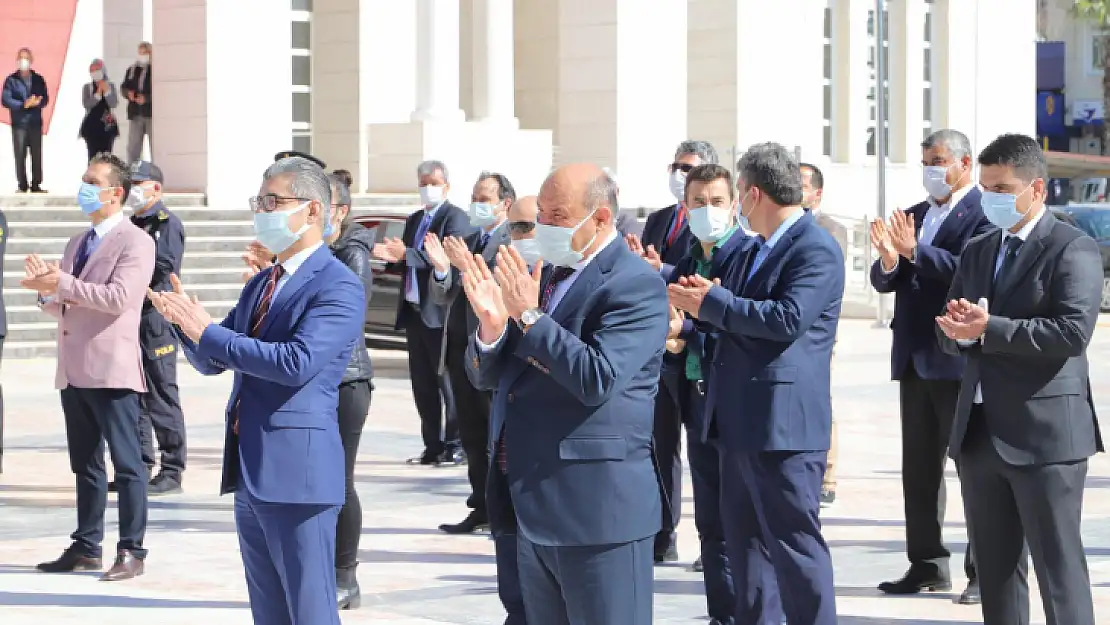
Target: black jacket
x: 131, y: 82
x: 352, y: 248
x: 169, y: 246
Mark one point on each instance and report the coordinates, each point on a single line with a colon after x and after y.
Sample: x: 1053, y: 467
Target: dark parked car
x: 381, y: 310
x: 1094, y: 219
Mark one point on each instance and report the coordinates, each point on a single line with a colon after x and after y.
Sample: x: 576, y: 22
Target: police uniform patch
x: 163, y: 350
x: 162, y: 215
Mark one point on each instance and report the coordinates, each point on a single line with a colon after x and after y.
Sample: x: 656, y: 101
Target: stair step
x: 20, y: 246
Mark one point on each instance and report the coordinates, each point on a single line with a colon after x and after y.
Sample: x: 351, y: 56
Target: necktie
x: 83, y: 252
x: 679, y: 221
x: 1012, y: 245
x: 558, y: 274
x: 418, y: 244
x: 267, y: 298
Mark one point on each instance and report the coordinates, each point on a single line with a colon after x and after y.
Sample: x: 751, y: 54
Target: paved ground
x: 411, y: 574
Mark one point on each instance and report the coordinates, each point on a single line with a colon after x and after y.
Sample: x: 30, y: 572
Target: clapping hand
x: 880, y: 241
x: 391, y: 250
x: 902, y: 236
x: 457, y: 251
x: 484, y: 295
x: 963, y: 321
x: 520, y: 288
x: 436, y: 253
x: 40, y: 275
x: 256, y: 258
x: 674, y: 344
x: 649, y: 254
x: 183, y: 310
x: 689, y: 292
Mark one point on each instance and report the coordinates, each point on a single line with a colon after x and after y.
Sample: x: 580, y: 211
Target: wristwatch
x: 529, y: 318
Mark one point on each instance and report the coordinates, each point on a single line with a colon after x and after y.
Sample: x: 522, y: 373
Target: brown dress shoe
x: 72, y: 559
x: 127, y: 566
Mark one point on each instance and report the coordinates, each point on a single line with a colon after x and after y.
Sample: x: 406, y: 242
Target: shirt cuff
x: 883, y: 269
x: 440, y: 275
x: 482, y: 347
x: 966, y: 342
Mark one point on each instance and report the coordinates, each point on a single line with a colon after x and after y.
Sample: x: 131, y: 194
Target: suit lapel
x: 1026, y: 257
x: 302, y: 276
x: 951, y: 224
x: 498, y: 237
x: 763, y: 273
x: 587, y: 282
x: 110, y: 240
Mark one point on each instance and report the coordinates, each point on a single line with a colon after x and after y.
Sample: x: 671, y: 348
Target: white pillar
x: 907, y: 84
x: 852, y: 79
x: 437, y: 61
x: 494, y: 91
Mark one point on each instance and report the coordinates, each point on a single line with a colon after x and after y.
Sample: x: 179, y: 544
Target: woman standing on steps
x: 99, y: 129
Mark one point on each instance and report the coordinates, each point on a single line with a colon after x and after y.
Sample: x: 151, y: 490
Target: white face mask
x: 431, y: 195
x: 98, y: 75
x: 482, y: 214
x: 710, y: 223
x: 556, y: 246
x: 677, y: 184
x: 137, y: 198
x: 933, y: 179
x: 24, y: 64
x: 529, y: 250
x: 144, y: 59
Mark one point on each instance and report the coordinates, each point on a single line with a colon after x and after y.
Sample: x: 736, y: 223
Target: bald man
x: 578, y: 343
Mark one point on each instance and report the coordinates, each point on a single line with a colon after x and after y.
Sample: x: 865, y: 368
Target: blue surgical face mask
x: 482, y: 214
x: 1001, y: 208
x: 272, y: 229
x: 710, y: 223
x: 88, y: 198
x: 528, y: 249
x: 555, y: 243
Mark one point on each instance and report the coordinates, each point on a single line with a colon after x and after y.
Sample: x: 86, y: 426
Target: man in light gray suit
x: 1023, y: 307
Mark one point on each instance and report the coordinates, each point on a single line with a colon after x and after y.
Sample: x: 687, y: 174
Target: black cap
x: 141, y: 171
x: 292, y: 153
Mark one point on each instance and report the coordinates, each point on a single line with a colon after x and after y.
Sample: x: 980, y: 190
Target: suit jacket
x: 700, y: 337
x: 574, y: 398
x: 461, y: 322
x: 98, y: 311
x: 286, y: 387
x: 450, y: 220
x: 15, y: 92
x: 921, y: 288
x: 1032, y: 360
x: 768, y: 389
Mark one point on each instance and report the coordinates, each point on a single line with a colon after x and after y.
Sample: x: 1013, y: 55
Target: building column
x: 217, y: 127
x: 852, y: 79
x: 494, y: 55
x: 906, y: 82
x: 437, y: 61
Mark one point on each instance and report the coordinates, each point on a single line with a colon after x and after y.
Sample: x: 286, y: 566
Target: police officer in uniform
x: 160, y: 405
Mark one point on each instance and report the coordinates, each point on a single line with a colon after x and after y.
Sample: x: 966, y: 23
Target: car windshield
x: 1095, y: 223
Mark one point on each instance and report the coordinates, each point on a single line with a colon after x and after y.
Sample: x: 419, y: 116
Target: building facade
x: 375, y: 86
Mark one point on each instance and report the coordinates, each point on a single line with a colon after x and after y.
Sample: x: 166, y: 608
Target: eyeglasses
x: 522, y: 227
x: 682, y: 167
x: 269, y: 202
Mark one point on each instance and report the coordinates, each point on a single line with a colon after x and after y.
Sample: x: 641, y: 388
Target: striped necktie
x: 267, y: 298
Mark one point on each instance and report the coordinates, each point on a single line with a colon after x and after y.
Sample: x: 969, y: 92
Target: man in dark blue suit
x: 768, y: 406
x: 573, y: 353
x: 711, y: 200
x: 665, y: 240
x: 918, y: 255
x: 288, y: 341
x: 422, y: 317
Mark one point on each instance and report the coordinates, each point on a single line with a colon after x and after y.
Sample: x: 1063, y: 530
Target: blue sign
x: 1050, y: 114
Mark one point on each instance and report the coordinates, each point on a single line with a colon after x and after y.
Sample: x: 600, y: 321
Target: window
x: 301, y: 74
x: 928, y: 92
x: 882, y: 47
x: 827, y: 81
x: 1097, y: 50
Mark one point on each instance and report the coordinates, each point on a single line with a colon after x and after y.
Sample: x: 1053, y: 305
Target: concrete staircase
x: 215, y: 239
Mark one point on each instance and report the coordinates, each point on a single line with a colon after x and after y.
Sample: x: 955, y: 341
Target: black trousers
x: 667, y: 445
x: 94, y: 416
x: 928, y: 409
x: 98, y: 145
x: 431, y: 391
x: 27, y: 140
x: 160, y: 405
x: 354, y: 404
x: 472, y: 407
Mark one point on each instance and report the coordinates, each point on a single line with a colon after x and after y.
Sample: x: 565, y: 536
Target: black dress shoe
x: 472, y: 523
x: 452, y: 458
x: 917, y: 579
x: 126, y: 566
x: 427, y: 458
x: 72, y: 559
x: 347, y: 593
x: 668, y: 555
x: 38, y: 190
x: 164, y: 485
x: 697, y: 566
x: 970, y: 595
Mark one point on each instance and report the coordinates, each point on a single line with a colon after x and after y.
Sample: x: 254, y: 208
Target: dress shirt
x: 412, y: 293
x: 768, y: 245
x: 934, y: 219
x: 292, y: 265
x: 560, y: 290
x: 1022, y: 234
x: 486, y: 234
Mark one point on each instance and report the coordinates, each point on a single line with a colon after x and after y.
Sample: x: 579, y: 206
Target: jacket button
x: 510, y: 398
x: 65, y: 332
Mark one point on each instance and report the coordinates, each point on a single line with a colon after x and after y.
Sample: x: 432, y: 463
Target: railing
x: 854, y: 236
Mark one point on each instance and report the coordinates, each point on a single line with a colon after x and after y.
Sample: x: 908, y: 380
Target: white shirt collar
x: 957, y: 197
x: 1026, y: 230
x: 105, y: 226
x: 296, y: 260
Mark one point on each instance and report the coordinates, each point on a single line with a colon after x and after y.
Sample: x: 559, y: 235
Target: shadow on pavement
x: 110, y: 601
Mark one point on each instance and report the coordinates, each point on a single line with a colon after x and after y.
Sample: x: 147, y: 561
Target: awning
x: 1073, y: 165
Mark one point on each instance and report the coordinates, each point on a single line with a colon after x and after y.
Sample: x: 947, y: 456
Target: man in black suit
x: 918, y: 255
x: 489, y: 203
x: 421, y: 317
x: 665, y: 241
x: 1023, y: 307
